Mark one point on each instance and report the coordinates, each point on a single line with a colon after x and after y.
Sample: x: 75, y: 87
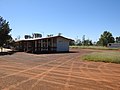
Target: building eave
x: 43, y: 38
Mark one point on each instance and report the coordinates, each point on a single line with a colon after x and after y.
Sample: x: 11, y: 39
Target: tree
x: 83, y: 40
x: 59, y: 34
x: 86, y: 42
x: 118, y: 39
x: 106, y: 38
x: 4, y: 32
x: 27, y: 36
x: 78, y: 42
x: 50, y: 35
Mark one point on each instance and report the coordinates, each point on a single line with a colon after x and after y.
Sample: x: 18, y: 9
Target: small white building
x: 48, y: 44
x: 114, y: 45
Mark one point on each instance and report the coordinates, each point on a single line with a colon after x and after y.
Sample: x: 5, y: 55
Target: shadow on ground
x: 7, y: 53
x: 53, y: 52
x: 37, y: 53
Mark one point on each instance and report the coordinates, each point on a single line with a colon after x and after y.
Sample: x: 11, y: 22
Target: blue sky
x: 72, y: 18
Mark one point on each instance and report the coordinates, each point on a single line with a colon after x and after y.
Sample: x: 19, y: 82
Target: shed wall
x: 62, y: 44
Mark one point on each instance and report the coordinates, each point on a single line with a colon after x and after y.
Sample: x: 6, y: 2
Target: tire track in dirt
x: 69, y: 76
x: 58, y: 59
x: 94, y: 77
x: 6, y: 62
x: 106, y: 75
x: 31, y: 68
x: 23, y: 60
x: 54, y: 82
x: 26, y: 74
x: 73, y: 76
x: 103, y: 65
x: 90, y: 75
x: 38, y: 75
x: 105, y: 69
x: 10, y: 67
x: 86, y: 71
x: 49, y: 72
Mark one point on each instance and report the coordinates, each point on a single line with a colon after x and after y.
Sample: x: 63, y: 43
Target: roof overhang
x: 33, y: 39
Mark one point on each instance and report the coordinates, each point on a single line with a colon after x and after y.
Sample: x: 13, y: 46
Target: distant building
x: 114, y: 45
x: 49, y: 44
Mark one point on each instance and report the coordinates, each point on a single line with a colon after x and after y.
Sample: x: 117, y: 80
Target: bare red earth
x: 62, y: 71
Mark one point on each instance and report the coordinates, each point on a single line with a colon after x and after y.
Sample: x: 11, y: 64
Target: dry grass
x: 94, y: 47
x: 112, y: 57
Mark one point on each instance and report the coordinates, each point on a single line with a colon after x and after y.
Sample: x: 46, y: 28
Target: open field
x: 103, y: 56
x: 62, y: 71
x: 94, y: 47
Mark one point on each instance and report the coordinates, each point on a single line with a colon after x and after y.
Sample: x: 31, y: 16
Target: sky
x: 72, y: 18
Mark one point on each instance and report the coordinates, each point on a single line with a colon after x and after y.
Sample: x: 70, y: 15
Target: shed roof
x: 32, y: 39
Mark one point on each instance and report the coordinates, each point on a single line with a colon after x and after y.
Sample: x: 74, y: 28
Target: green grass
x: 94, y: 47
x: 105, y: 56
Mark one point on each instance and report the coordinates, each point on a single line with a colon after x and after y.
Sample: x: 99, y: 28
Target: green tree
x: 4, y: 32
x: 106, y: 38
x: 88, y: 42
x: 78, y: 42
x: 118, y: 39
x: 83, y: 40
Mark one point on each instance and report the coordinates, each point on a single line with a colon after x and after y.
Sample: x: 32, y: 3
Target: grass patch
x: 111, y: 57
x: 94, y: 47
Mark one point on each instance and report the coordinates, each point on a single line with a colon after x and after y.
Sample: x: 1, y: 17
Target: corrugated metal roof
x: 32, y: 39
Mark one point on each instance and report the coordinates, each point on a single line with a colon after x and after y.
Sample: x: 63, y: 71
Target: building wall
x: 62, y: 44
x: 54, y: 44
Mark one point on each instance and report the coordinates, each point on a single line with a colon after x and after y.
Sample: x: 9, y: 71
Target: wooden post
x: 47, y: 44
x: 41, y: 45
x: 35, y: 45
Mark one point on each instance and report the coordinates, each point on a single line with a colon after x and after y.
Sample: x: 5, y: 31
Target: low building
x: 48, y: 44
x: 114, y: 45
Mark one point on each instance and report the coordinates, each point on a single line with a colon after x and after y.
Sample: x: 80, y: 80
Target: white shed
x: 114, y: 45
x: 48, y: 44
x: 62, y: 44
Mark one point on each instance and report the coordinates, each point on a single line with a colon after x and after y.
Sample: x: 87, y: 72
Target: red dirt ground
x: 62, y: 71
